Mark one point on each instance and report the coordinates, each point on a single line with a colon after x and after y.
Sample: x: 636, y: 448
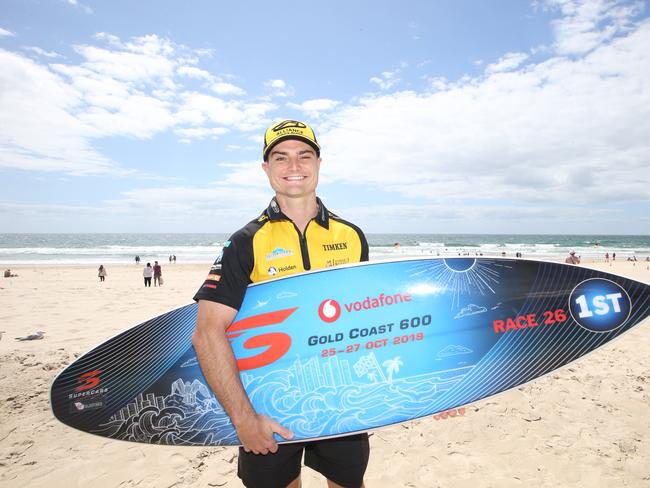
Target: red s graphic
x: 90, y: 380
x: 278, y: 342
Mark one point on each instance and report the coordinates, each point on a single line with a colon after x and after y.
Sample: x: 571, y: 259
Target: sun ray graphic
x: 459, y: 276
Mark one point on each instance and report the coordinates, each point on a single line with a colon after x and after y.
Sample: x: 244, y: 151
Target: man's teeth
x: 294, y: 178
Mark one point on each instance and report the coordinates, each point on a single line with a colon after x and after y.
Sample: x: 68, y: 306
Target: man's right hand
x: 256, y: 434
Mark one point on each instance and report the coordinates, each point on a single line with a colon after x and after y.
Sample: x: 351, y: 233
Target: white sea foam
x: 98, y: 249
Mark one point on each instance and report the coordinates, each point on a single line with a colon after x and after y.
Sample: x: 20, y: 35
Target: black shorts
x: 342, y: 460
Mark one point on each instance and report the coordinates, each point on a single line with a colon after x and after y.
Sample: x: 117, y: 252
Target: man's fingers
x: 283, y: 431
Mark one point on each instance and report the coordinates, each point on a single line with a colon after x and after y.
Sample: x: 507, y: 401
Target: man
x: 292, y: 235
x: 572, y: 258
x: 157, y: 274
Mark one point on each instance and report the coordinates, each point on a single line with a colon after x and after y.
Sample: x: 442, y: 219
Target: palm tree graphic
x: 392, y: 367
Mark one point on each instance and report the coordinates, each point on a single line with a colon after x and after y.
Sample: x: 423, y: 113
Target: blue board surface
x: 354, y: 348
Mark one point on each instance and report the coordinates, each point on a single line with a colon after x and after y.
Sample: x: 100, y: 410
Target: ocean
x: 95, y: 249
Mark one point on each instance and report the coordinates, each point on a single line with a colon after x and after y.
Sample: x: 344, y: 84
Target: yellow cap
x: 289, y: 129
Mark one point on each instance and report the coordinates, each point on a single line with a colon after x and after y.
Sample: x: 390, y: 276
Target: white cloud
x: 386, y: 80
x: 54, y: 113
x: 6, y: 33
x: 564, y: 130
x: 222, y: 88
x: 143, y: 209
x: 145, y: 60
x: 584, y: 25
x: 217, y: 85
x: 198, y: 108
x: 314, y: 108
x: 194, y: 72
x: 40, y: 131
x: 279, y: 88
x: 42, y: 52
x: 507, y: 62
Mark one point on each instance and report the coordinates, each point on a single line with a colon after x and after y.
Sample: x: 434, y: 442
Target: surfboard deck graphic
x: 352, y: 349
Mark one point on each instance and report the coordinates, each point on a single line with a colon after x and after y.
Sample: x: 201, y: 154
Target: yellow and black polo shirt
x: 271, y: 246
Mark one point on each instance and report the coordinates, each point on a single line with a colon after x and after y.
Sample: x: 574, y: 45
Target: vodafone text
x: 375, y: 302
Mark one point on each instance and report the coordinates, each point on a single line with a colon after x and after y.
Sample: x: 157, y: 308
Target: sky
x: 447, y: 116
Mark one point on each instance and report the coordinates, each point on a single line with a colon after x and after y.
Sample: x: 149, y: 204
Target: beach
x: 586, y: 424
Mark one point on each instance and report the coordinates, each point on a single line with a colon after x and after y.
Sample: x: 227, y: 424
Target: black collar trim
x: 274, y: 213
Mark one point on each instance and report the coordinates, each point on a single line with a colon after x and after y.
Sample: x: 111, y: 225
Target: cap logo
x: 289, y: 124
x: 289, y: 129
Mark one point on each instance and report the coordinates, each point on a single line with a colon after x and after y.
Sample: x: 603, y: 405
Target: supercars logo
x: 276, y: 344
x: 88, y: 381
x: 329, y: 311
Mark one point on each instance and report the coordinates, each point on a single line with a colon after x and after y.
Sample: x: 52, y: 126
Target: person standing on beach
x: 147, y: 272
x: 157, y: 274
x: 137, y: 260
x: 101, y: 272
x: 572, y: 258
x: 297, y: 222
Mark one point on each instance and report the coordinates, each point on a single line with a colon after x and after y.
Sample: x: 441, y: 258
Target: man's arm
x: 219, y: 367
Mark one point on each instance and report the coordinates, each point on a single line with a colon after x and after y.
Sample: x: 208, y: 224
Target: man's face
x: 292, y: 168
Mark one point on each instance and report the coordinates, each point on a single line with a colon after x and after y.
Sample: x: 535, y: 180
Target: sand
x: 587, y: 424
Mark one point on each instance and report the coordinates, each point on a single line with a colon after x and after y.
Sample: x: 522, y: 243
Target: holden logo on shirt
x: 272, y: 271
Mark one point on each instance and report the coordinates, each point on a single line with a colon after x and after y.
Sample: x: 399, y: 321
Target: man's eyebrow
x: 285, y: 153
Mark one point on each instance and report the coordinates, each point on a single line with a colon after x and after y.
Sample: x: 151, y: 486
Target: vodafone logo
x: 329, y: 311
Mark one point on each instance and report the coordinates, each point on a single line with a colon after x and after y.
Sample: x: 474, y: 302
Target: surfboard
x: 354, y: 348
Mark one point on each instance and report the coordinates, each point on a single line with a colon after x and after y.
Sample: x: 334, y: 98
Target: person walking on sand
x: 296, y: 221
x: 101, y: 272
x: 157, y: 274
x: 147, y: 273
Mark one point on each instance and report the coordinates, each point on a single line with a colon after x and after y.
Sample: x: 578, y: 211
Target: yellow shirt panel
x: 335, y: 246
x: 277, y: 248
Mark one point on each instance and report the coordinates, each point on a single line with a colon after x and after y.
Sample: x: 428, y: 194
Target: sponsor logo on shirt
x: 272, y: 271
x: 337, y: 246
x: 278, y: 253
x: 213, y: 277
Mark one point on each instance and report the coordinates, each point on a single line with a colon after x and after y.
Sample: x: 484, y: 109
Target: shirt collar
x: 274, y: 213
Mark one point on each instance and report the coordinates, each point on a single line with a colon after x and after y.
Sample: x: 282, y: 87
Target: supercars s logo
x: 329, y: 311
x: 277, y: 343
x: 88, y: 381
